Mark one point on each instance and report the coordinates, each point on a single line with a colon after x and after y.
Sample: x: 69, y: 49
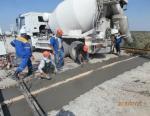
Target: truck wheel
x: 72, y: 50
x: 66, y: 49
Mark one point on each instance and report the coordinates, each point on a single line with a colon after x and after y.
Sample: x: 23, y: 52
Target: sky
x: 138, y: 11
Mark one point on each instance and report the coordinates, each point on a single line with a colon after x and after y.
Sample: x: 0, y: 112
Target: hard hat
x: 46, y: 53
x: 85, y: 48
x: 59, y: 32
x: 23, y: 30
x: 114, y: 31
x: 46, y: 17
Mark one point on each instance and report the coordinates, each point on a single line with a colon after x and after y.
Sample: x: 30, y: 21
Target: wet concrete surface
x: 55, y: 98
x: 35, y: 84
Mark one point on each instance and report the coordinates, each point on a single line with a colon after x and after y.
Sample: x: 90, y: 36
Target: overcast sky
x: 138, y: 11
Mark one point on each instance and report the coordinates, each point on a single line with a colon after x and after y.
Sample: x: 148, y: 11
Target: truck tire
x: 72, y: 50
x: 66, y: 49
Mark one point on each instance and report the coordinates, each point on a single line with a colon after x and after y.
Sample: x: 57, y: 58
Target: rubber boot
x: 30, y: 72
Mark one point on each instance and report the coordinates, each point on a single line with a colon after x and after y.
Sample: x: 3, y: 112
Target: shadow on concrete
x: 4, y: 106
x: 97, y: 55
x: 62, y: 112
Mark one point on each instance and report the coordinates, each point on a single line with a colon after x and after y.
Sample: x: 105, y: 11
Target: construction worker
x: 23, y: 52
x: 60, y: 49
x: 57, y: 47
x: 118, y: 40
x: 82, y: 53
x: 47, y: 66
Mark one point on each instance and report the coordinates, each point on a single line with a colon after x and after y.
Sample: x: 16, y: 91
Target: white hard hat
x: 46, y: 17
x: 23, y: 30
x: 114, y: 31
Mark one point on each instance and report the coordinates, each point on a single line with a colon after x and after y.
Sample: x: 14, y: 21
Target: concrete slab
x: 55, y: 98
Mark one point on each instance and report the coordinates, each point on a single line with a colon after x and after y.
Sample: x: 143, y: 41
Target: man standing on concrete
x: 23, y: 52
x: 118, y: 40
x: 57, y: 47
x: 61, y: 49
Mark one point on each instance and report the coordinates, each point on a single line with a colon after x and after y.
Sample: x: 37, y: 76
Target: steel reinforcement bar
x: 33, y: 104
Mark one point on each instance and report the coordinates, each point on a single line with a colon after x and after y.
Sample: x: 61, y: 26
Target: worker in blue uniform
x: 57, y: 47
x: 54, y: 47
x: 60, y: 52
x: 24, y: 53
x: 118, y: 40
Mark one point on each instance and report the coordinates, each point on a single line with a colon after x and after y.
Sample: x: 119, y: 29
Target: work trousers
x: 24, y: 62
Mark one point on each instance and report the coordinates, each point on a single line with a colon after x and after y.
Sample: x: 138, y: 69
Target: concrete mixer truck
x: 88, y: 21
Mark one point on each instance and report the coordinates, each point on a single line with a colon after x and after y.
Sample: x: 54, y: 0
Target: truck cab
x: 32, y: 21
x: 34, y: 25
